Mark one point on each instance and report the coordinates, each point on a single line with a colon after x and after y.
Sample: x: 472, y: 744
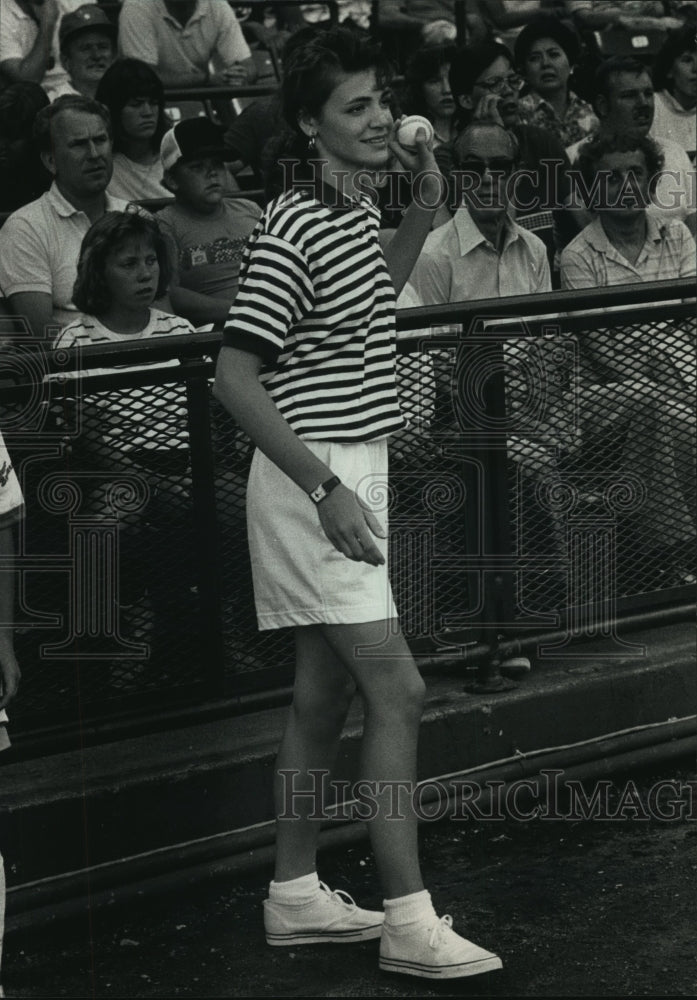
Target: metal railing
x: 514, y: 519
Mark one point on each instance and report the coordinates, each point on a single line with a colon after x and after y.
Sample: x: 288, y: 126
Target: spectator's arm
x: 391, y: 15
x: 9, y: 670
x: 543, y: 278
x: 403, y: 250
x: 36, y: 308
x: 687, y: 260
x: 430, y: 279
x: 32, y: 65
x: 199, y: 309
x: 235, y: 74
x: 576, y: 271
x: 25, y: 273
x: 588, y: 16
x: 232, y: 60
x: 497, y: 14
x: 137, y: 35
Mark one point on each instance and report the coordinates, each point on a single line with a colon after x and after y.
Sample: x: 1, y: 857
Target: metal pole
x: 206, y: 534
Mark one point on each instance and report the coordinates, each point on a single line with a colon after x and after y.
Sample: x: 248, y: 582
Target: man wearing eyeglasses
x: 486, y: 87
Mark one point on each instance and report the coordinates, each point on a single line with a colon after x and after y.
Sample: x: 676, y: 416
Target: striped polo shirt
x: 152, y: 417
x: 317, y: 304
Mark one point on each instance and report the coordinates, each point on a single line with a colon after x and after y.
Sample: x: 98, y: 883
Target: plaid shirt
x: 578, y: 122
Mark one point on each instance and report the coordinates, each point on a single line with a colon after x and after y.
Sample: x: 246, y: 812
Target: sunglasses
x: 496, y: 165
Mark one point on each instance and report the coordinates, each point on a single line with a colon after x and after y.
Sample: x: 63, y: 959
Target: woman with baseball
x: 307, y: 370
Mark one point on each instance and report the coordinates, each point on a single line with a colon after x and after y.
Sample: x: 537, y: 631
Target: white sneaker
x: 331, y: 916
x: 432, y: 950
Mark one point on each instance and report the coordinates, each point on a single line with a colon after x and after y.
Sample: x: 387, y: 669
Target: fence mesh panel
x: 566, y: 461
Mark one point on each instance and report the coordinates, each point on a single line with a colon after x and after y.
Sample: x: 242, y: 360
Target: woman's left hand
x: 421, y: 161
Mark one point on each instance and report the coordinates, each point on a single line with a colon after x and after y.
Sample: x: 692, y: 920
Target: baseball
x: 406, y: 133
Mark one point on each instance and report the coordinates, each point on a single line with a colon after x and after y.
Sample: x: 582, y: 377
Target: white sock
x: 408, y: 909
x: 296, y: 890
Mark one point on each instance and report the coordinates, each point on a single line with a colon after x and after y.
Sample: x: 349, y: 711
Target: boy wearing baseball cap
x: 206, y: 230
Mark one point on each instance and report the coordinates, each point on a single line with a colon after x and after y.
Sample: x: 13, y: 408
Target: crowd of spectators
x: 87, y: 129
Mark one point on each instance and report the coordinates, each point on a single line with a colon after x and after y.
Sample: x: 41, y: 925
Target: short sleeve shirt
x: 578, y: 121
x: 674, y: 122
x: 40, y: 246
x: 458, y: 264
x: 212, y: 38
x: 316, y: 302
x: 591, y: 261
x: 209, y: 248
x: 149, y: 417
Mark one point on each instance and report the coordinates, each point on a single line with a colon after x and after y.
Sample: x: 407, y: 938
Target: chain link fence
x: 545, y: 481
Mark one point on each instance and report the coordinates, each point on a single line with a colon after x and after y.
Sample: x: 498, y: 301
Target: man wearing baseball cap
x: 87, y: 41
x: 29, y: 47
x: 205, y: 231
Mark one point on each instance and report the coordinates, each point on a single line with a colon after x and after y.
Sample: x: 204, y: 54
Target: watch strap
x: 324, y: 489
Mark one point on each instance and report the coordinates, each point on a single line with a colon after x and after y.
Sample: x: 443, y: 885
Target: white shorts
x: 299, y: 577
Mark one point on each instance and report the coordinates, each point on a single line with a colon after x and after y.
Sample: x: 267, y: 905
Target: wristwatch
x: 324, y: 489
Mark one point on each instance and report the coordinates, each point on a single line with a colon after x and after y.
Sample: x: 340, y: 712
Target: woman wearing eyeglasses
x: 486, y: 87
x: 546, y: 52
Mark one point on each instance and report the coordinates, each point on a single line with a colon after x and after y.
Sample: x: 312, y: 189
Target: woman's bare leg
x: 321, y: 698
x: 378, y: 658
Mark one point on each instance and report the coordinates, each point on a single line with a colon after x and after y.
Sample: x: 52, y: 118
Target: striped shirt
x: 150, y: 417
x: 317, y: 304
x: 591, y: 261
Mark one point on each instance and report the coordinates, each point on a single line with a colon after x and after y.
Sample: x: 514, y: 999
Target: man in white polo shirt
x: 40, y: 243
x: 187, y: 42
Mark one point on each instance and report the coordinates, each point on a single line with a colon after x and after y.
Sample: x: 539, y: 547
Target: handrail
x: 519, y: 307
x: 209, y: 93
x: 548, y: 303
x: 155, y: 204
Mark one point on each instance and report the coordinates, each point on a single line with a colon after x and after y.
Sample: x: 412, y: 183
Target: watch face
x: 318, y: 494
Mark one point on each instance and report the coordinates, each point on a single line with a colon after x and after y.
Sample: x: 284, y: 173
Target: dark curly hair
x: 127, y: 79
x: 592, y: 152
x: 675, y: 45
x: 468, y: 65
x: 310, y: 75
x: 90, y: 293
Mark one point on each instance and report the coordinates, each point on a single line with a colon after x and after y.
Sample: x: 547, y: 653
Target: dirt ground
x: 574, y: 908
